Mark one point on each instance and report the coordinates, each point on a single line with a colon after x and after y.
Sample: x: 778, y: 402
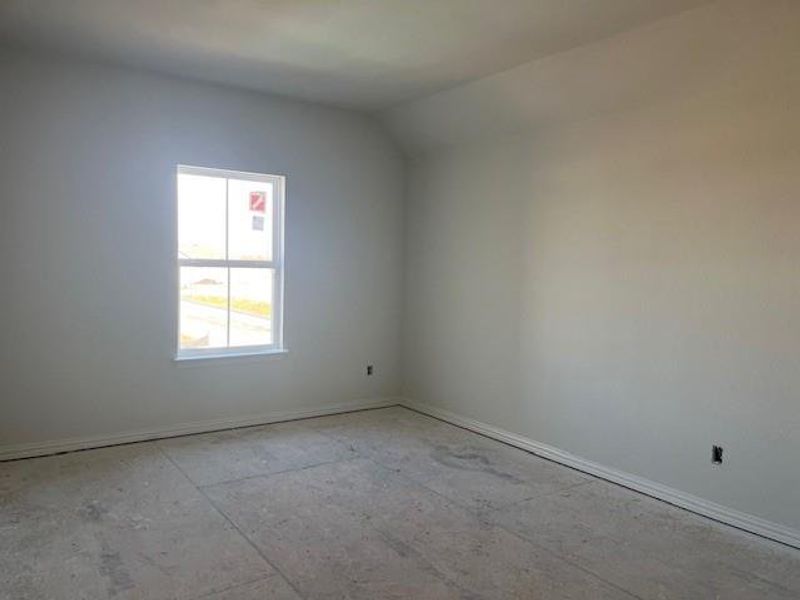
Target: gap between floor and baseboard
x: 38, y: 449
x: 717, y: 512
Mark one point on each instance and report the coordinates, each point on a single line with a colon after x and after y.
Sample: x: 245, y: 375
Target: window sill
x: 227, y: 356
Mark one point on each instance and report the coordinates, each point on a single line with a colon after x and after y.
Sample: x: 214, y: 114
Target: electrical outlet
x: 716, y: 455
x: 370, y: 369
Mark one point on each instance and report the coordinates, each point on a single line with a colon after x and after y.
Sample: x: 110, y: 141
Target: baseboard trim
x: 740, y: 520
x: 30, y: 450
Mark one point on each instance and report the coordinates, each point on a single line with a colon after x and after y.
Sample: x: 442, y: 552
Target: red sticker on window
x: 258, y: 201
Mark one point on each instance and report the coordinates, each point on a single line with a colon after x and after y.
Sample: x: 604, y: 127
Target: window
x: 230, y: 262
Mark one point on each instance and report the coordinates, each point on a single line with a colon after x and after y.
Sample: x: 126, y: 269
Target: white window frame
x: 277, y: 263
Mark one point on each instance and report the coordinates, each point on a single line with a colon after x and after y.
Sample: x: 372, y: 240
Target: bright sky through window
x: 230, y: 261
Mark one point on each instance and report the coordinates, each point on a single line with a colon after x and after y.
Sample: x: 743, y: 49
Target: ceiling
x: 368, y: 54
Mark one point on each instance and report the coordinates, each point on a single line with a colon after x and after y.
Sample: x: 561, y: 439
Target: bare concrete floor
x: 379, y: 504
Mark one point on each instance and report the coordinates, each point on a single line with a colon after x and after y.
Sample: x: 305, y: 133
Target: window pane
x: 201, y: 216
x: 204, y: 307
x: 249, y: 220
x: 251, y: 307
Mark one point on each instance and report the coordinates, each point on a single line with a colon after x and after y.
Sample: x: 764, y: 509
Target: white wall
x: 622, y: 281
x: 619, y: 280
x: 88, y: 274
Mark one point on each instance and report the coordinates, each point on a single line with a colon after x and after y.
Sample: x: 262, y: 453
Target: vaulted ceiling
x: 368, y: 54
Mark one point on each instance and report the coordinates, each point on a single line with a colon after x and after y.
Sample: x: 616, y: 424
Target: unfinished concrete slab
x: 271, y: 588
x: 117, y: 522
x: 469, y: 469
x: 239, y: 453
x: 371, y: 533
x: 379, y: 504
x: 651, y: 548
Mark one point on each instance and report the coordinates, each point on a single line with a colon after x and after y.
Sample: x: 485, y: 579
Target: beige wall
x: 623, y: 284
x: 87, y: 233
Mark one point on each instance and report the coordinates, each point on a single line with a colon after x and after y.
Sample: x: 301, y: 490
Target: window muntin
x: 230, y: 262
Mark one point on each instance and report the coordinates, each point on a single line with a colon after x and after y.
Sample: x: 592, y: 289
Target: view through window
x: 230, y: 257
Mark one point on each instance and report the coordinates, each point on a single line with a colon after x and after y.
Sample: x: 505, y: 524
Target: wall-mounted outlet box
x: 716, y: 455
x: 370, y: 369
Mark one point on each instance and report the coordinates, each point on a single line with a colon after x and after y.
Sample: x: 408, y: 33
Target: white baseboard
x: 29, y: 450
x: 723, y: 514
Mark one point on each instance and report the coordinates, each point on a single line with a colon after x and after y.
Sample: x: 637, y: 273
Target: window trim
x: 278, y: 346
